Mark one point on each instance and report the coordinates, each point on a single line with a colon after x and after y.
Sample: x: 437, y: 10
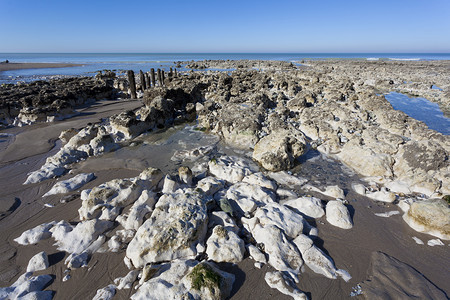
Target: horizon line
x: 319, y: 52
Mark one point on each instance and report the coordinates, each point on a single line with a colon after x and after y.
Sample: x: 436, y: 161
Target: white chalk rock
x: 225, y: 246
x: 246, y: 197
x: 151, y: 176
x: 116, y: 194
x: 256, y: 254
x: 284, y: 178
x: 214, y: 283
x: 67, y: 134
x: 66, y: 156
x: 170, y: 185
x: 398, y: 187
x: 417, y: 240
x: 382, y: 195
x: 435, y: 242
x: 45, y: 172
x: 338, y: 215
x: 359, y: 188
x: 126, y: 281
x: 232, y: 169
x: 278, y: 150
x: 283, y: 255
x: 210, y: 185
x: 76, y: 239
x: 177, y: 225
x: 309, y: 206
x: 186, y: 280
x: 405, y: 204
x: 69, y: 185
x: 285, y: 194
x: 135, y: 216
x: 223, y: 219
x: 261, y: 180
x: 106, y: 293
x: 114, y: 244
x: 276, y: 280
x: 314, y: 258
x: 332, y: 191
x: 38, y: 262
x: 84, y: 136
x: 36, y: 234
x: 430, y: 216
x: 77, y: 260
x: 28, y: 287
x: 281, y: 216
x: 103, y: 143
x: 185, y: 175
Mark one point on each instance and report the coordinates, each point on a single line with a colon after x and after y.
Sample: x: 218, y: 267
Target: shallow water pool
x: 421, y: 109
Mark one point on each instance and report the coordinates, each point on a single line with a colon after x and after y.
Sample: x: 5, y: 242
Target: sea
x: 91, y: 63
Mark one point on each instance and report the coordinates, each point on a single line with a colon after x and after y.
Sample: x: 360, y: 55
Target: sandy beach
x: 19, y: 66
x: 355, y: 250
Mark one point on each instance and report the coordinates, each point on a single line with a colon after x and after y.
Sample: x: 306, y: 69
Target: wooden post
x: 132, y: 84
x: 147, y: 80
x: 162, y: 77
x: 141, y: 76
x: 152, y: 76
x: 176, y: 74
x: 158, y: 73
x: 170, y: 74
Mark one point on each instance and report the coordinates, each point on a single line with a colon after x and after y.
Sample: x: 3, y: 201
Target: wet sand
x: 22, y: 208
x: 19, y: 66
x: 350, y: 249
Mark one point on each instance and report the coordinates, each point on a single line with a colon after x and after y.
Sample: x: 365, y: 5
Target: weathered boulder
x: 338, y: 215
x: 225, y: 246
x: 186, y: 279
x: 111, y: 196
x: 366, y: 161
x: 231, y: 169
x: 279, y: 150
x: 430, y: 216
x: 278, y: 215
x: 415, y: 163
x: 245, y: 197
x: 69, y: 185
x: 316, y: 260
x: 177, y: 225
x: 309, y: 206
x: 277, y: 280
x: 283, y: 255
x: 38, y: 262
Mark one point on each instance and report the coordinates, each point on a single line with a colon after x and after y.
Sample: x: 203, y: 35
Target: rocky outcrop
x: 177, y: 225
x: 42, y: 101
x: 279, y: 150
x: 430, y: 216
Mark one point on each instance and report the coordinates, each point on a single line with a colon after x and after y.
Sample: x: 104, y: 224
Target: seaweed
x: 202, y: 275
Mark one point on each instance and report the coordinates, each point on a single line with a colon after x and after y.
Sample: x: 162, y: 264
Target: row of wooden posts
x: 148, y: 79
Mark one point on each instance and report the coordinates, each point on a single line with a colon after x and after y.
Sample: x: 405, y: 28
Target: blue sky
x: 225, y: 26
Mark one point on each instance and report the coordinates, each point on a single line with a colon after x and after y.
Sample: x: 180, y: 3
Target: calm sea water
x: 93, y: 62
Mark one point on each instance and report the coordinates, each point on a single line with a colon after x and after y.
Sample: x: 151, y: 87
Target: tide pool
x: 421, y: 109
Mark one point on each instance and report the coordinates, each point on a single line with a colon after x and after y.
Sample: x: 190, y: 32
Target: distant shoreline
x: 21, y: 66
